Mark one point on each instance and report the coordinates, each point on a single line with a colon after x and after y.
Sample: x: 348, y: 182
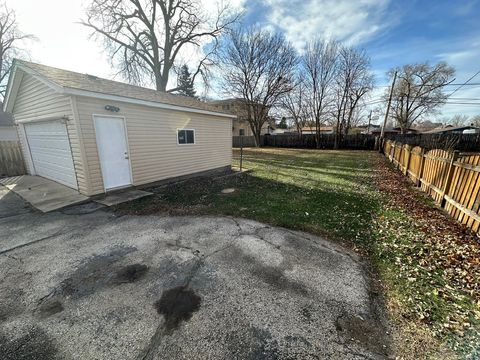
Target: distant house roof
x: 450, y: 128
x: 74, y: 83
x: 322, y: 128
x: 6, y: 119
x: 224, y: 101
x: 371, y: 126
x: 395, y: 130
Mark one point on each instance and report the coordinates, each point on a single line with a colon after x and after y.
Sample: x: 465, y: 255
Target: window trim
x: 194, y: 137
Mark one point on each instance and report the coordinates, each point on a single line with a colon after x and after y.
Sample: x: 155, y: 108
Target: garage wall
x: 152, y: 137
x: 34, y: 101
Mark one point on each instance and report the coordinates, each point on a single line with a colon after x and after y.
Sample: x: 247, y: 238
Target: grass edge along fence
x: 451, y: 178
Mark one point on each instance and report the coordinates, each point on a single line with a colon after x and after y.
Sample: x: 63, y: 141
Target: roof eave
x: 97, y: 95
x: 104, y: 96
x: 9, y: 93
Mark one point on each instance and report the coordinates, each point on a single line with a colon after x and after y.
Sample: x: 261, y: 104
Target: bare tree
x: 295, y: 105
x: 419, y: 91
x: 259, y: 67
x: 475, y: 121
x: 321, y: 67
x: 11, y: 41
x: 145, y: 37
x: 458, y: 120
x: 353, y: 82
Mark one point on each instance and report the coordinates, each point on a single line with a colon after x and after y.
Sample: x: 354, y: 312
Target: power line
x: 455, y: 102
x: 465, y: 83
x: 452, y: 84
x: 450, y: 98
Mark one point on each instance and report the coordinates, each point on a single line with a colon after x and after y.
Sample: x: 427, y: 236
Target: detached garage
x: 96, y: 135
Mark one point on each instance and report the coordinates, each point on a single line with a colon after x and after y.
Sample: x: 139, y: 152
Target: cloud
x: 350, y: 21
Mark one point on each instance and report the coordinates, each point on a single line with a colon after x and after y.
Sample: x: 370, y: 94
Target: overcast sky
x: 393, y: 33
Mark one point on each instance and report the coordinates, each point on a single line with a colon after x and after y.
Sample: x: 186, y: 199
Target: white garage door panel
x: 50, y: 151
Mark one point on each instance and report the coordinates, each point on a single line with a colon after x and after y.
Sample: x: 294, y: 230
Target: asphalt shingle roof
x: 74, y: 80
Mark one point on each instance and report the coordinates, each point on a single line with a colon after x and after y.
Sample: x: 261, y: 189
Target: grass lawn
x: 345, y: 196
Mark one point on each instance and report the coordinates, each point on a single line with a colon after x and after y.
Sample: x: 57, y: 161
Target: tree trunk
x: 257, y: 138
x: 160, y: 84
x: 337, y: 130
x: 317, y: 133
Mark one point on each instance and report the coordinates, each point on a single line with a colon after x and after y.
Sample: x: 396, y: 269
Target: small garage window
x: 186, y: 136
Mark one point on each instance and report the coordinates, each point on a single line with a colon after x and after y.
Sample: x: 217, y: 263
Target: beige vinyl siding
x: 152, y: 138
x: 36, y: 101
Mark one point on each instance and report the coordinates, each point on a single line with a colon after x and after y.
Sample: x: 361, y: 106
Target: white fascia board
x: 13, y: 85
x: 39, y: 77
x: 96, y: 95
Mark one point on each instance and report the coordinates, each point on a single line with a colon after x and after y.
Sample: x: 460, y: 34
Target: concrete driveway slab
x: 108, y: 287
x: 10, y: 204
x: 120, y: 197
x: 43, y: 194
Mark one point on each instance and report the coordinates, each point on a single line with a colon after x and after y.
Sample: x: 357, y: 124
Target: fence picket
x: 11, y: 159
x: 469, y: 199
x: 450, y: 178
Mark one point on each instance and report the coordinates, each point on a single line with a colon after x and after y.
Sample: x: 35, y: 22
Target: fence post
x: 448, y: 180
x: 392, y: 151
x: 422, y: 164
x: 408, y: 148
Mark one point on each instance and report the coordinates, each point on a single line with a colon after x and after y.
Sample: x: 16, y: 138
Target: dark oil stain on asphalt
x: 34, y: 345
x: 131, y: 273
x: 176, y: 305
x: 273, y: 276
x: 93, y: 274
x: 97, y: 272
x: 50, y: 307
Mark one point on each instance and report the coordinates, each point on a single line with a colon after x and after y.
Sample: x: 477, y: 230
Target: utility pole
x: 382, y: 134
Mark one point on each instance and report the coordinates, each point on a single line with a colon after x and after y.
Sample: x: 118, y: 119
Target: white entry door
x: 113, y: 151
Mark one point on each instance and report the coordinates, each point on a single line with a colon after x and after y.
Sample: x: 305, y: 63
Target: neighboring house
x: 8, y: 131
x: 323, y: 130
x: 393, y: 131
x: 367, y: 129
x: 450, y: 129
x: 278, y: 131
x: 97, y: 135
x: 428, y: 125
x: 240, y: 125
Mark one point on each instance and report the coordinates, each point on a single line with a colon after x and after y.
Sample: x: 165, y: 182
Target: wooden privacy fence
x: 245, y: 141
x: 462, y: 142
x: 11, y: 159
x: 307, y: 141
x: 451, y: 178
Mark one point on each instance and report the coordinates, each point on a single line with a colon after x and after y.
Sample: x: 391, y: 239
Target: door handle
x: 126, y: 155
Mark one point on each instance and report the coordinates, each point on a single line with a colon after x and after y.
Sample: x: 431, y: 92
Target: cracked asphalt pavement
x: 85, y: 284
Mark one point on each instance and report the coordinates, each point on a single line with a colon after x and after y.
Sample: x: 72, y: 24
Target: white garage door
x: 50, y: 151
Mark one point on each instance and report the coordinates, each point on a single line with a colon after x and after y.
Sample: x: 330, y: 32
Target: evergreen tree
x: 283, y: 123
x: 185, y: 82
